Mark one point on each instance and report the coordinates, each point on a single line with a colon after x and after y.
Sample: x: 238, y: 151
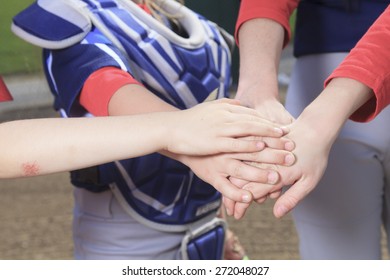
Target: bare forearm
x: 35, y: 147
x: 261, y: 42
x: 339, y: 100
x: 134, y: 99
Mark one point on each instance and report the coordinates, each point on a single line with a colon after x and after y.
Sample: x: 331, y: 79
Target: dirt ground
x: 36, y: 217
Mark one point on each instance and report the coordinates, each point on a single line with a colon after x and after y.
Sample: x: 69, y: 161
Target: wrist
x: 255, y: 94
x: 318, y: 128
x: 327, y: 114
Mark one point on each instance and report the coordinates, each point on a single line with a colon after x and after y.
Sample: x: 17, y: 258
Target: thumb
x: 289, y: 199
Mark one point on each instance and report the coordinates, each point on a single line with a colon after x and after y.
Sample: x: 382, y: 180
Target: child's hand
x: 218, y: 127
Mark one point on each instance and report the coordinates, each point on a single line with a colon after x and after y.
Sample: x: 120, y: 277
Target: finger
x: 239, y: 207
x: 259, y: 190
x: 226, y: 188
x: 279, y: 143
x: 250, y: 126
x: 275, y: 194
x: 239, y: 183
x: 241, y: 170
x: 268, y: 155
x: 229, y: 205
x: 233, y: 145
x: 238, y: 108
x: 261, y: 199
x: 240, y: 210
x: 289, y: 199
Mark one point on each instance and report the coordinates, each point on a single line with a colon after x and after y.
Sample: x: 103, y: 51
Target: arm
x: 42, y: 146
x: 357, y: 89
x: 278, y: 11
x: 369, y: 63
x: 262, y: 30
x: 314, y: 133
x: 261, y: 43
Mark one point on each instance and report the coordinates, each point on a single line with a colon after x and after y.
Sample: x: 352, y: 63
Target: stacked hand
x: 313, y: 135
x: 300, y: 176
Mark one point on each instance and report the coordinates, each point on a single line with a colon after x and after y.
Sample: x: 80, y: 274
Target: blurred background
x: 16, y: 56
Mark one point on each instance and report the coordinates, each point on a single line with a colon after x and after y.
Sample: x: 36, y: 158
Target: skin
x: 29, y: 146
x: 261, y: 44
x: 314, y: 125
x: 320, y: 126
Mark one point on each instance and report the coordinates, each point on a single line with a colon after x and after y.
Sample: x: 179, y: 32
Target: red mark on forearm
x: 30, y: 169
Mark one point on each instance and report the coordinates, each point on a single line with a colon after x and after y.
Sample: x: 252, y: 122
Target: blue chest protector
x: 333, y: 25
x: 184, y: 70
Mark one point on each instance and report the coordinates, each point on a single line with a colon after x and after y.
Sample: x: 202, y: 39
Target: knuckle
x: 235, y: 144
x: 237, y: 171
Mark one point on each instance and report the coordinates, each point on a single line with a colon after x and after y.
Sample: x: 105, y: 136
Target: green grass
x: 16, y: 55
x: 292, y: 23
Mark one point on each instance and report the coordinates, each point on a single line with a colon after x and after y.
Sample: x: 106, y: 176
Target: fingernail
x: 289, y: 159
x: 285, y: 129
x: 289, y: 146
x: 272, y: 177
x: 260, y: 145
x: 281, y: 211
x: 246, y: 198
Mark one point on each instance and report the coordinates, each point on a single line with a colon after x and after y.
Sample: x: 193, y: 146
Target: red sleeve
x: 4, y: 92
x: 278, y: 10
x: 369, y: 63
x: 101, y: 86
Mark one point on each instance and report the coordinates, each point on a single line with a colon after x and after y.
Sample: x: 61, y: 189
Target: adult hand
x: 268, y: 107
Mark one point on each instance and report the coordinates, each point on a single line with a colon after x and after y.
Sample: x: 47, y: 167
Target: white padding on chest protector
x: 52, y: 24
